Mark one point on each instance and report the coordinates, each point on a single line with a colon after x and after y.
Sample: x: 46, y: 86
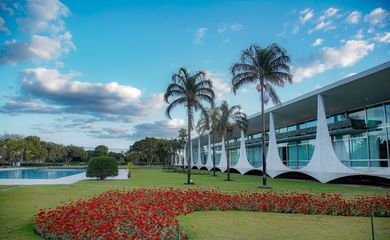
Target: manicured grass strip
x: 257, y: 225
x: 19, y: 204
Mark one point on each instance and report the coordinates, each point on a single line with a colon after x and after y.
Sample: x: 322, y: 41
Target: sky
x: 94, y: 72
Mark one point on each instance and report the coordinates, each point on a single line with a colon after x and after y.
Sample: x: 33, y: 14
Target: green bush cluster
x: 102, y: 167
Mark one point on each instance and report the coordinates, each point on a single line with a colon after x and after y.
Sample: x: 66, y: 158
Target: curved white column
x: 199, y: 162
x: 222, y: 162
x: 275, y: 166
x: 185, y: 155
x: 324, y: 165
x: 243, y: 165
x: 209, y: 163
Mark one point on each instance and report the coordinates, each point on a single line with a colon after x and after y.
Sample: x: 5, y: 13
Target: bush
x: 102, y: 167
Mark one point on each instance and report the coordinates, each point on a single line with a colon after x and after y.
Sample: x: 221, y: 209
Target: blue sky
x: 93, y: 72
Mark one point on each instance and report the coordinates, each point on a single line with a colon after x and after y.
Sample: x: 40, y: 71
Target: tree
x: 74, y: 153
x: 182, y: 140
x: 202, y: 126
x: 266, y: 67
x: 146, y: 150
x: 101, y: 150
x: 56, y: 152
x: 192, y: 91
x: 231, y: 118
x: 102, y: 167
x: 214, y: 117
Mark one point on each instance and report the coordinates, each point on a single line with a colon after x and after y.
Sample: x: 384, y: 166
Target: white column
x: 243, y: 165
x: 275, y: 166
x: 199, y: 162
x: 209, y: 163
x: 324, y: 165
x: 222, y: 162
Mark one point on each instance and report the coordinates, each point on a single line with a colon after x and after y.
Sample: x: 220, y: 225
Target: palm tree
x: 182, y: 139
x: 202, y: 126
x: 231, y: 117
x: 214, y: 117
x: 192, y: 91
x: 266, y: 67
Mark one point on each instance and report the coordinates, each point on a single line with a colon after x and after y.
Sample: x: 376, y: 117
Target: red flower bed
x: 150, y: 213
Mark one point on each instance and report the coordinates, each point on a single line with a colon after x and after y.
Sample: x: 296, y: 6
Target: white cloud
x: 221, y: 88
x: 160, y: 129
x: 360, y: 34
x: 3, y: 28
x: 325, y: 26
x: 354, y: 17
x: 222, y: 28
x: 43, y: 15
x: 40, y: 48
x: 378, y: 16
x: 383, y: 38
x: 236, y: 27
x: 318, y: 41
x: 306, y: 15
x: 200, y: 34
x: 330, y: 12
x: 47, y: 38
x: 329, y: 57
x: 110, y: 101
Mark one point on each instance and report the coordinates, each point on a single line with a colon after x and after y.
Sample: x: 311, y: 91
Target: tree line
x: 31, y: 149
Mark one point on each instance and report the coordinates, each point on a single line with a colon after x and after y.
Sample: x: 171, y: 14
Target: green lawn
x: 19, y: 203
x: 257, y: 225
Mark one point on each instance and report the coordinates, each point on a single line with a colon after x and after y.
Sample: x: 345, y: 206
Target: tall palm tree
x: 192, y: 91
x: 231, y: 117
x: 214, y: 117
x: 266, y: 67
x: 202, y: 126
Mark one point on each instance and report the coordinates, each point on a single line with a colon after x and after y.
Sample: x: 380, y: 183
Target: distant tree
x: 266, y: 67
x: 101, y: 150
x: 34, y: 149
x: 56, y: 152
x: 76, y: 154
x: 146, y: 150
x: 191, y: 91
x: 231, y: 118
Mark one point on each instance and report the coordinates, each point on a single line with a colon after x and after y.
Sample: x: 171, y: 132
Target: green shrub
x: 102, y: 167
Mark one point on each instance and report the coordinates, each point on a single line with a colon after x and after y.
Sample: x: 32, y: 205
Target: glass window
x: 358, y: 115
x: 302, y: 126
x: 341, y: 148
x: 375, y: 116
x: 330, y: 119
x: 340, y: 117
x: 311, y: 124
x: 358, y: 150
x: 254, y: 155
x: 292, y: 155
x: 387, y: 107
x: 234, y: 155
x: 292, y: 128
x: 378, y: 149
x: 283, y: 130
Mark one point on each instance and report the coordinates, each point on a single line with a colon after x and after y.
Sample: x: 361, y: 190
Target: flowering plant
x: 151, y: 213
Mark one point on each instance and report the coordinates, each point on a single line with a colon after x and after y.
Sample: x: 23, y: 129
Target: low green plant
x: 130, y: 166
x: 102, y: 167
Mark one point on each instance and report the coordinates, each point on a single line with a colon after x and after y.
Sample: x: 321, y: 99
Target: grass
x: 256, y: 225
x: 18, y: 204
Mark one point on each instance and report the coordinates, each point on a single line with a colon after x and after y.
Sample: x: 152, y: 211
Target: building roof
x: 363, y: 89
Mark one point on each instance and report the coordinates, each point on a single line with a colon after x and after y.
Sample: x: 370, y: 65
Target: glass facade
x: 296, y: 154
x: 203, y: 154
x: 234, y: 155
x: 366, y: 144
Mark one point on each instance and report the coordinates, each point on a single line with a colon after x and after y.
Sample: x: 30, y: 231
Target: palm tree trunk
x: 189, y: 144
x: 263, y: 134
x: 227, y: 158
x: 213, y: 155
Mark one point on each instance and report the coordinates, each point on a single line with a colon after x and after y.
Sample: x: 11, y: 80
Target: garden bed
x: 151, y: 213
